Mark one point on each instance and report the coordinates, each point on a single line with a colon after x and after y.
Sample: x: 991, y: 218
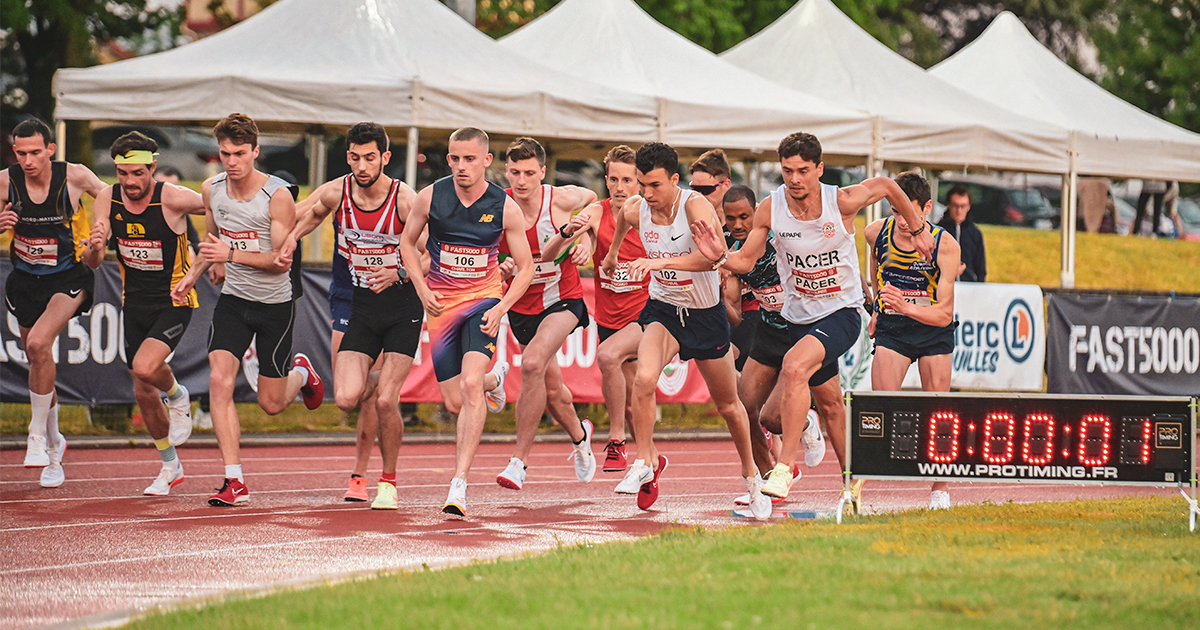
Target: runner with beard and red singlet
x: 813, y: 228
x: 253, y: 213
x: 52, y: 278
x: 467, y: 217
x: 913, y: 315
x: 683, y: 316
x: 619, y: 301
x: 370, y: 210
x: 148, y: 221
x: 549, y: 310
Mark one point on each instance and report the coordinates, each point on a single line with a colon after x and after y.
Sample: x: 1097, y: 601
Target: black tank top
x: 49, y: 236
x: 153, y: 257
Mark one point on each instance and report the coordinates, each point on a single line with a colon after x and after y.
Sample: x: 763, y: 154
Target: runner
x: 619, y: 301
x: 549, y: 310
x: 771, y: 343
x: 683, y: 316
x: 813, y: 225
x: 385, y: 319
x: 148, y: 221
x: 253, y: 213
x: 466, y: 216
x: 52, y: 278
x: 913, y: 318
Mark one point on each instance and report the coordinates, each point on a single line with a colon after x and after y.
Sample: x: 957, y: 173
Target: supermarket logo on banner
x: 977, y: 342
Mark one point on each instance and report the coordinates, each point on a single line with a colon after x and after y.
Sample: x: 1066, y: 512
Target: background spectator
x: 970, y: 239
x: 1153, y: 192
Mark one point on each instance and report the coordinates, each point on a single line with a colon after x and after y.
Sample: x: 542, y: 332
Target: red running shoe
x: 232, y: 493
x: 313, y: 390
x: 617, y: 459
x: 648, y: 493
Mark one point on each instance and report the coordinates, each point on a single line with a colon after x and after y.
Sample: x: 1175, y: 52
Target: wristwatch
x: 918, y: 231
x: 562, y: 231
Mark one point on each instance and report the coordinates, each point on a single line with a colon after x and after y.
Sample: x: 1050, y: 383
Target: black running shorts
x: 390, y: 322
x: 165, y: 324
x: 702, y: 333
x: 26, y: 295
x: 524, y: 327
x: 837, y: 332
x: 911, y: 338
x: 235, y: 321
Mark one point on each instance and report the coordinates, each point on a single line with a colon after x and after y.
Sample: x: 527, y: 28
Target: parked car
x: 1127, y: 212
x: 1189, y: 218
x: 1000, y: 204
x: 192, y: 151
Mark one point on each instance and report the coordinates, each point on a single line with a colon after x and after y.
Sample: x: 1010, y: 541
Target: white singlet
x: 685, y: 289
x: 817, y: 261
x: 246, y: 226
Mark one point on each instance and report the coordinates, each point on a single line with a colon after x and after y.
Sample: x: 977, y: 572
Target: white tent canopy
x: 1006, y: 65
x: 704, y: 100
x: 817, y: 49
x: 406, y: 63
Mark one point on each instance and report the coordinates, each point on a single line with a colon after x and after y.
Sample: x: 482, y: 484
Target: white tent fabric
x: 705, y: 101
x: 817, y: 49
x: 410, y: 63
x: 1008, y: 66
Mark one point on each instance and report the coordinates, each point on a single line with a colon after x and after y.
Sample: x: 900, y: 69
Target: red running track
x: 95, y: 550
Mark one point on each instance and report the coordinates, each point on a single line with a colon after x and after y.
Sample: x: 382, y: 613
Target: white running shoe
x: 456, y: 501
x: 385, y: 497
x: 202, y: 419
x: 513, y: 476
x: 939, y: 500
x: 496, y: 397
x: 167, y: 478
x: 180, y: 411
x: 585, y: 460
x: 53, y: 475
x: 760, y: 504
x: 638, y: 474
x: 814, y: 442
x: 35, y: 452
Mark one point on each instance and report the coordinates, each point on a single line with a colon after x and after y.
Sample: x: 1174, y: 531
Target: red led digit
x: 1094, y: 434
x: 1146, y: 442
x: 971, y: 439
x: 998, y: 438
x: 1038, y: 448
x: 943, y: 437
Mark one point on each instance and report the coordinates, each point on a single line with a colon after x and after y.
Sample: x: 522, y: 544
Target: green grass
x: 1125, y: 563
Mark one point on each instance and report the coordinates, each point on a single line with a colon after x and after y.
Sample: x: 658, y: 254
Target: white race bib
x: 674, y: 280
x: 619, y: 282
x: 463, y: 261
x: 142, y: 255
x: 917, y: 297
x: 242, y: 241
x: 36, y: 251
x: 770, y: 298
x: 546, y: 273
x: 362, y: 259
x: 817, y: 283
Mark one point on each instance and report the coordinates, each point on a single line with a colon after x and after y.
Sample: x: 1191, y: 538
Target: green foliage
x: 1151, y: 52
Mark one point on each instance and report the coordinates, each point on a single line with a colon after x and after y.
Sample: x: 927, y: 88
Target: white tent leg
x: 60, y: 134
x: 315, y: 146
x: 1070, y: 215
x: 410, y: 157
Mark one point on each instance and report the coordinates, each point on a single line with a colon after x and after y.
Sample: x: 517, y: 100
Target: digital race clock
x: 1027, y: 438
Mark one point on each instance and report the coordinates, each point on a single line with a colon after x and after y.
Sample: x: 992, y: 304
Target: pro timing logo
x: 1019, y: 330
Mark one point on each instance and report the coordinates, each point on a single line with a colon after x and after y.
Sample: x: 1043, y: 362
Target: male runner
x: 549, y: 310
x: 386, y: 314
x: 253, y: 213
x: 683, y: 316
x: 466, y: 216
x: 148, y: 221
x: 813, y: 225
x: 619, y: 300
x: 770, y: 342
x: 52, y: 278
x: 913, y: 318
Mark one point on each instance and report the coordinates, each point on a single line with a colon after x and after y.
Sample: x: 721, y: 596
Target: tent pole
x: 60, y: 134
x: 316, y: 176
x: 1070, y: 207
x: 873, y: 164
x: 410, y: 157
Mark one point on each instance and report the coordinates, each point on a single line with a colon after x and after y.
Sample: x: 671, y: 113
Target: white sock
x: 303, y: 371
x: 234, y: 472
x: 40, y: 406
x: 52, y: 432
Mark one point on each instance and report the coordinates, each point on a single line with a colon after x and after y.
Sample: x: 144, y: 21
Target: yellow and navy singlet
x: 50, y: 236
x: 153, y: 257
x: 904, y: 269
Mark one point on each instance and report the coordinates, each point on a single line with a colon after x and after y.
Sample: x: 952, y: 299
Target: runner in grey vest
x: 246, y: 227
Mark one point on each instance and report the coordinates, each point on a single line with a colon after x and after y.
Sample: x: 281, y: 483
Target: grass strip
x: 1124, y: 563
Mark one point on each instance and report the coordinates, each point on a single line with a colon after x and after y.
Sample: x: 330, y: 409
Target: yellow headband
x: 136, y: 157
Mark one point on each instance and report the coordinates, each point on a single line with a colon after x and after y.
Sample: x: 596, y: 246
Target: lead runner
x: 813, y: 224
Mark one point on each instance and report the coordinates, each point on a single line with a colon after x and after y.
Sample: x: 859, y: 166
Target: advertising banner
x: 1119, y: 344
x: 999, y: 344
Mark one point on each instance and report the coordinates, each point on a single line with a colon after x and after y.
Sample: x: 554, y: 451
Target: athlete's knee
x: 144, y: 369
x: 644, y: 383
x: 387, y: 404
x: 801, y: 368
x: 272, y: 405
x: 533, y: 366
x: 609, y: 359
x: 221, y: 382
x: 472, y: 384
x: 346, y: 398
x: 39, y: 348
x: 729, y: 409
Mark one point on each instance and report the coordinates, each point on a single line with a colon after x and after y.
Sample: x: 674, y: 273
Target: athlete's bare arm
x: 81, y: 179
x: 310, y: 212
x: 941, y: 313
x: 522, y: 257
x: 101, y: 209
x: 731, y: 296
x: 200, y: 265
x: 711, y: 242
x: 698, y: 209
x: 8, y: 218
x: 851, y: 199
x: 870, y: 233
x: 283, y: 219
x: 628, y: 218
x: 414, y: 227
x: 177, y: 203
x: 586, y: 223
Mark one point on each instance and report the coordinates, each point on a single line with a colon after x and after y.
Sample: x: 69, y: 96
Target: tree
x: 1150, y: 50
x: 37, y: 37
